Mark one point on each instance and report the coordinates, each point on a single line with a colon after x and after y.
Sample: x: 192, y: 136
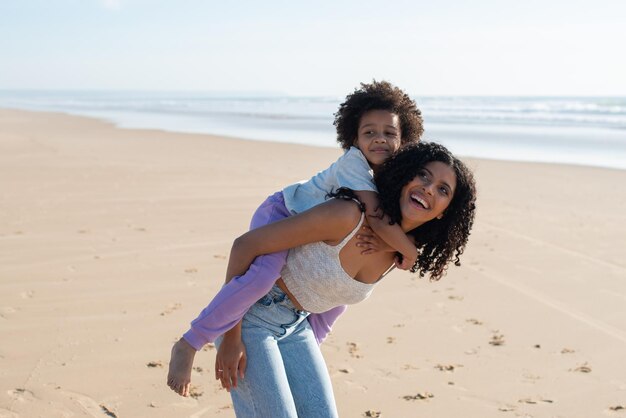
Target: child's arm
x: 390, y: 234
x: 328, y: 221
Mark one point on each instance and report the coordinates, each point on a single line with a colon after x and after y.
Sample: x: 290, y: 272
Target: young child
x: 372, y: 123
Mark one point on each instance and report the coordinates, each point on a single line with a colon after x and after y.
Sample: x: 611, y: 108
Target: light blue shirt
x: 351, y: 170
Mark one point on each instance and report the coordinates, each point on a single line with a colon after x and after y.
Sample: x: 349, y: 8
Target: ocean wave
x: 575, y: 130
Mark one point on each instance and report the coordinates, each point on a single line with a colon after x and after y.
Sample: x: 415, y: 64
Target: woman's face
x: 427, y: 196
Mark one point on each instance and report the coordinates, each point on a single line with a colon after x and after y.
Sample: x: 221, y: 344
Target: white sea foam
x: 589, y: 131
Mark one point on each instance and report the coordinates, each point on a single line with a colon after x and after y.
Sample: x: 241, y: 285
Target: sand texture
x: 112, y: 240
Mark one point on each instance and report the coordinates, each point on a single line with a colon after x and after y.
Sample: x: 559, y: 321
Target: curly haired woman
x: 372, y: 123
x: 425, y: 190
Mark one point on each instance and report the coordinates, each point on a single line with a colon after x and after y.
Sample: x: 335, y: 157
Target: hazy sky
x: 482, y: 47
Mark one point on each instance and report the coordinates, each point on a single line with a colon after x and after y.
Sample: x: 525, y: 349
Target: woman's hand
x: 230, y: 361
x: 370, y: 242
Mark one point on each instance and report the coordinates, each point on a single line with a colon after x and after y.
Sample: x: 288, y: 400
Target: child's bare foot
x: 181, y: 362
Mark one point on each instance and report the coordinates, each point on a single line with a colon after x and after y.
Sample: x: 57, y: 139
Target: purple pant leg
x: 237, y: 296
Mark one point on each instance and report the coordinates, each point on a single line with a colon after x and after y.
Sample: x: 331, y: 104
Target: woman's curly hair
x: 377, y: 95
x: 438, y: 241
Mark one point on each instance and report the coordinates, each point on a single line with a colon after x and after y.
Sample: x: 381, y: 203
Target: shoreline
x: 333, y: 146
x: 113, y: 239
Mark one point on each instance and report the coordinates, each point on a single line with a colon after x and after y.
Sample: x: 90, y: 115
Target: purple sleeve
x: 323, y: 322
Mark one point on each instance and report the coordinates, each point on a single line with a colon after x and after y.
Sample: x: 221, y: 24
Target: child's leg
x: 322, y: 323
x: 231, y: 302
x: 235, y: 297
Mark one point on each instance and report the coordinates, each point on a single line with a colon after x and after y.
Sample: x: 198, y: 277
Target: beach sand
x: 112, y: 240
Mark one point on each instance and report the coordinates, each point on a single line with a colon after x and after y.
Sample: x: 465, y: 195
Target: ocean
x: 573, y: 130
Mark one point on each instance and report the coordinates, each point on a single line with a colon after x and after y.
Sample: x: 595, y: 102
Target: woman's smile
x: 427, y: 196
x: 419, y: 200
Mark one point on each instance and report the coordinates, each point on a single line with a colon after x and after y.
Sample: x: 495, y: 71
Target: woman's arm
x: 330, y: 222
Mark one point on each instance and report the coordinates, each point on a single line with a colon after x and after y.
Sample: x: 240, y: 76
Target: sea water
x: 574, y: 130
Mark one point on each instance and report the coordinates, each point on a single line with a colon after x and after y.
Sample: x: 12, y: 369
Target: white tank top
x: 314, y: 275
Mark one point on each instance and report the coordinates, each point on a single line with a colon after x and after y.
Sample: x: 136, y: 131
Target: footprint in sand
x: 155, y: 364
x: 391, y: 340
x: 474, y: 321
x: 21, y: 395
x: 533, y: 401
x: 583, y: 368
x: 456, y: 297
x: 7, y: 311
x: 195, y: 392
x: 219, y: 256
x: 353, y: 349
x: 372, y: 413
x: 171, y: 308
x: 420, y: 396
x: 617, y: 408
x: 531, y: 378
x: 447, y: 367
x: 90, y: 405
x: 497, y: 339
x: 507, y: 408
x: 28, y: 294
x: 107, y: 411
x: 191, y: 270
x: 567, y: 351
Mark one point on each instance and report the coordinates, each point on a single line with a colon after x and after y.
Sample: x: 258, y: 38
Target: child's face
x: 378, y: 136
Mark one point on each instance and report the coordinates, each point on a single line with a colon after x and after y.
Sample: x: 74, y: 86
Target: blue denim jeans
x: 286, y: 375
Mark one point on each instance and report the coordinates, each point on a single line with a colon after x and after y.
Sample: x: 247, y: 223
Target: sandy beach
x: 112, y: 240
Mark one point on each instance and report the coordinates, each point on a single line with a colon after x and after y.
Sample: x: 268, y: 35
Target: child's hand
x: 230, y: 361
x: 369, y: 241
x: 406, y: 263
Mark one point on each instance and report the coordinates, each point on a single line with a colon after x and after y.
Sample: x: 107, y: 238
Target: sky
x: 444, y: 47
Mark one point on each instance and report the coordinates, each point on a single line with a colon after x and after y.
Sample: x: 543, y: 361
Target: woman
x: 424, y: 189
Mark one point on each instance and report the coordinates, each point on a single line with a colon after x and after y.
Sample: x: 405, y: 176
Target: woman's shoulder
x: 343, y: 211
